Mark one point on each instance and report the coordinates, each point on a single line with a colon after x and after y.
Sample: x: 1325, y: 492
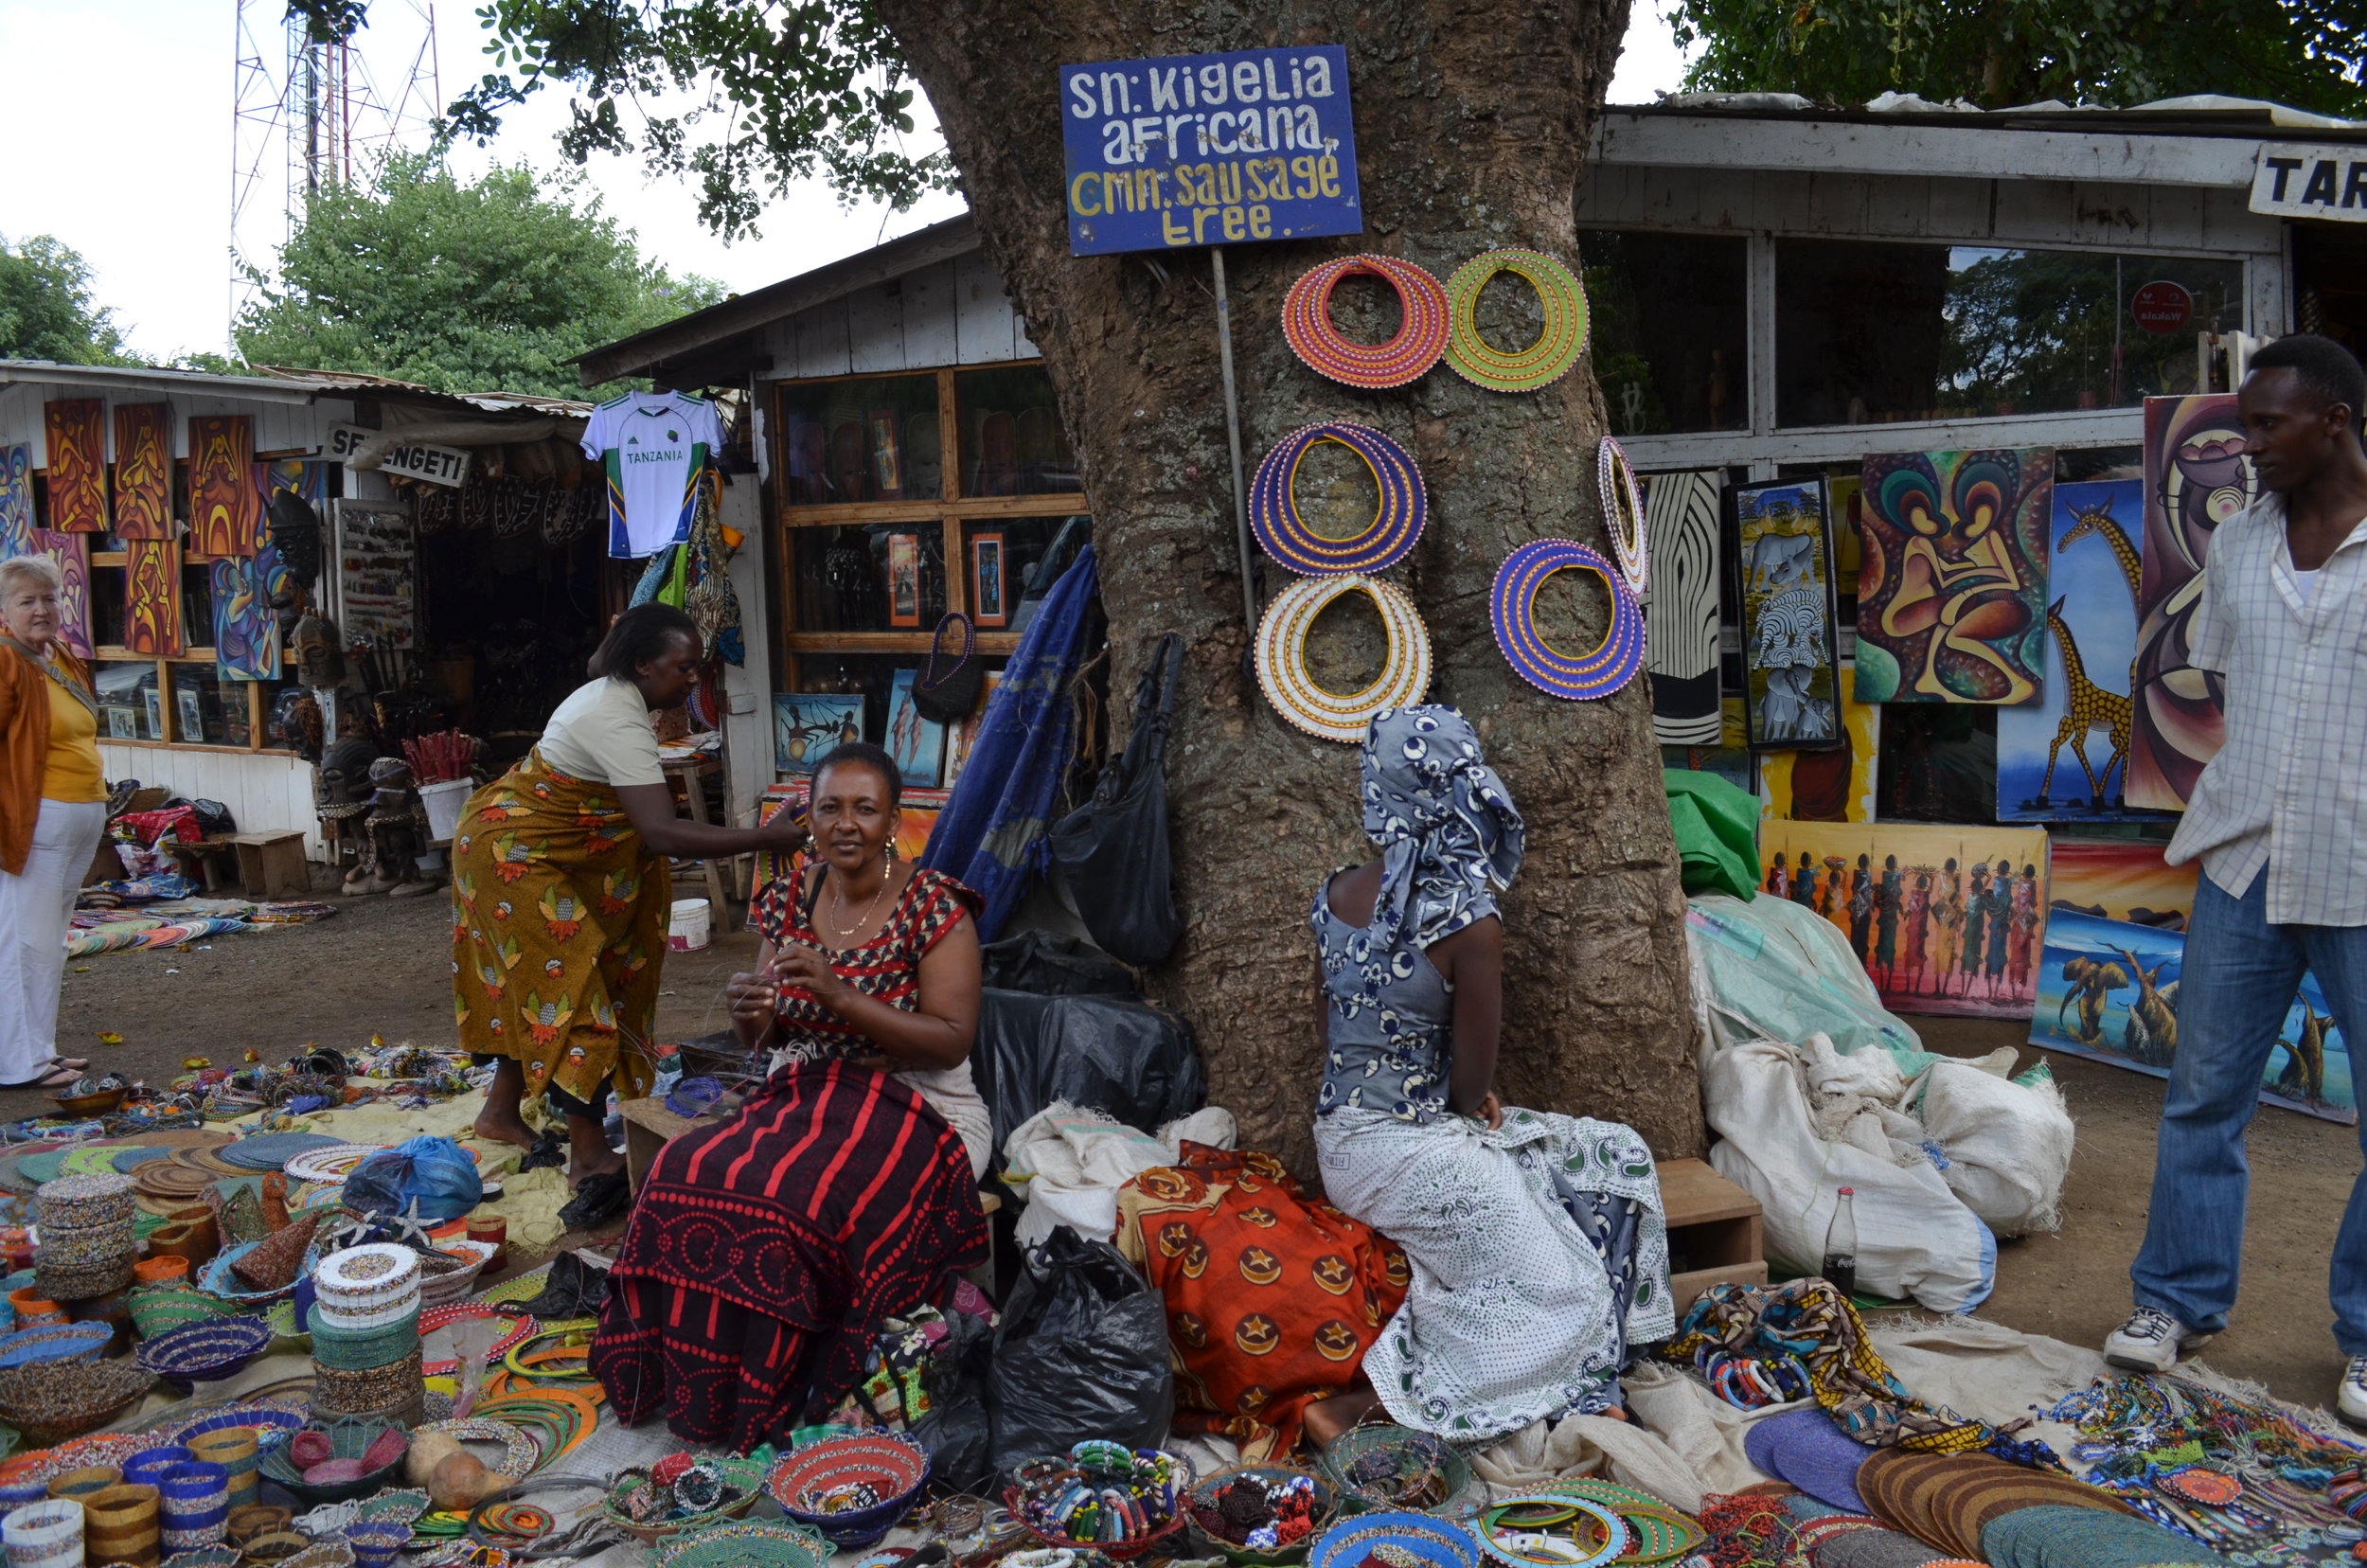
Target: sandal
x: 55, y: 1078
x: 80, y: 1065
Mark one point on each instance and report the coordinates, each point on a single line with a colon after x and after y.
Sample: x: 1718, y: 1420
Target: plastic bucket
x: 687, y: 930
x: 443, y: 802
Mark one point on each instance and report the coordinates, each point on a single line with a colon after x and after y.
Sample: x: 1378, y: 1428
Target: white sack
x: 1067, y: 1162
x: 2008, y: 1146
x: 1915, y: 1240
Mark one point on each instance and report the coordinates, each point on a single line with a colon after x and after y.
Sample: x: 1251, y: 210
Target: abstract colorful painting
x: 151, y: 598
x: 307, y: 478
x: 225, y: 504
x: 76, y: 433
x: 915, y: 819
x: 2120, y: 880
x: 2065, y: 758
x: 1945, y: 920
x: 1952, y: 580
x: 16, y: 500
x: 1827, y: 786
x: 1680, y: 605
x: 246, y: 633
x: 1789, y: 640
x: 72, y: 554
x: 2196, y: 477
x: 805, y: 728
x: 918, y: 743
x: 144, y: 470
x: 2107, y: 990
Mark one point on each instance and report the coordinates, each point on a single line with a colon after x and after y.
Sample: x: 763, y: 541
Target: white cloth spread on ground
x: 1512, y: 1316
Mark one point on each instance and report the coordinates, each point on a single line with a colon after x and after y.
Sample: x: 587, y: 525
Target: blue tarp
x: 990, y: 833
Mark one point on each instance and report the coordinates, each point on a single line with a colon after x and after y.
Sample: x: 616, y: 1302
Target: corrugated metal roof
x: 2195, y: 115
x: 491, y: 402
x: 288, y: 385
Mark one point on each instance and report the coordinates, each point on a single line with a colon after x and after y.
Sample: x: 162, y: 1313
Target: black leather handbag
x: 945, y: 690
x: 1112, y: 850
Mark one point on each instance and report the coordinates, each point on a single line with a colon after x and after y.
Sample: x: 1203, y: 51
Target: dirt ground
x: 382, y: 966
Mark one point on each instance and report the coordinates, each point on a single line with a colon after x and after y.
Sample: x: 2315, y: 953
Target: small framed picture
x: 887, y: 454
x: 985, y: 574
x: 903, y: 564
x: 155, y: 700
x: 916, y: 744
x: 122, y: 724
x: 190, y: 709
x: 805, y: 728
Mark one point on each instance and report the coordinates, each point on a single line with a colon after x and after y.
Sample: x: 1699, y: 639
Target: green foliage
x: 785, y: 92
x: 460, y: 286
x: 2310, y: 54
x: 46, y: 309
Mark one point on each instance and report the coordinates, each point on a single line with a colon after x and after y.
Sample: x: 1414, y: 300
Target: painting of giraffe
x: 2091, y: 646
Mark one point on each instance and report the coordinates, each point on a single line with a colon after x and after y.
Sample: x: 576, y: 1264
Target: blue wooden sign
x: 1205, y: 150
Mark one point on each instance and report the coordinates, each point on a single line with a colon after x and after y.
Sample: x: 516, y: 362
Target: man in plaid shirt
x: 2278, y: 821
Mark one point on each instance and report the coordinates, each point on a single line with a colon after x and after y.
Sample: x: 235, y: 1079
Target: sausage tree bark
x: 1472, y: 123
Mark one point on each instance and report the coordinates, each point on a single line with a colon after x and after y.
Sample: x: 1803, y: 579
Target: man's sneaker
x: 2350, y: 1401
x: 2150, y: 1342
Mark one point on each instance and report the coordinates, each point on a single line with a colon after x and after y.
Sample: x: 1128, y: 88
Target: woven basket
x: 743, y: 1482
x: 457, y: 1284
x: 1200, y: 1504
x: 60, y: 1341
x: 767, y: 1545
x: 347, y: 1440
x: 85, y: 1281
x: 157, y: 1311
x: 63, y: 1399
x: 893, y: 1466
x: 1381, y: 1466
x: 1435, y: 1541
x: 121, y: 1525
x: 208, y: 1352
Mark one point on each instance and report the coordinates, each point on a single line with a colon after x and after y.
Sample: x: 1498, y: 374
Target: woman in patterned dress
x: 559, y: 896
x: 1538, y: 1250
x: 765, y: 1253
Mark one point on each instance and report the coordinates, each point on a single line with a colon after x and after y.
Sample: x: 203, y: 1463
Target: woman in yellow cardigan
x: 53, y: 806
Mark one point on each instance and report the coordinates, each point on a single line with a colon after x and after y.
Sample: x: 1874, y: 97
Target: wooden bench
x: 268, y: 865
x: 1714, y: 1232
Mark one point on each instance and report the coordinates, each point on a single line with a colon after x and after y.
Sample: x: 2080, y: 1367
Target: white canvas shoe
x: 2151, y: 1339
x: 2350, y: 1400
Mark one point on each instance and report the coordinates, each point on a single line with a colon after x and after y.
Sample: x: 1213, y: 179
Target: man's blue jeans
x: 2234, y: 992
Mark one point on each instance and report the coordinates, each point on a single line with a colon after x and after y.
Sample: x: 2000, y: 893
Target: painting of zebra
x: 1788, y: 634
x: 1681, y: 606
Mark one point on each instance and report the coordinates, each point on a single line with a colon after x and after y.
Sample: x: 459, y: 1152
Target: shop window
x: 209, y: 708
x: 864, y: 438
x: 1012, y: 441
x: 1668, y: 317
x: 877, y: 577
x: 1010, y: 565
x: 1873, y: 333
x: 131, y: 699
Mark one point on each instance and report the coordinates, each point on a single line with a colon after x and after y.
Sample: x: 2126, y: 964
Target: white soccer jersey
x: 652, y: 445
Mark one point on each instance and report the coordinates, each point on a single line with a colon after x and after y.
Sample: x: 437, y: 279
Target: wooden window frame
x: 949, y: 513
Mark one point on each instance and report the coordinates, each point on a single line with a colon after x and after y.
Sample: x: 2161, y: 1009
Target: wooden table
x: 692, y: 772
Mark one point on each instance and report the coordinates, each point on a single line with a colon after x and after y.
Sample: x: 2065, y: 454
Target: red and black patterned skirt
x: 762, y: 1255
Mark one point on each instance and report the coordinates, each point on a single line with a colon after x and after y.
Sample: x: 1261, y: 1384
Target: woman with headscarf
x: 1538, y: 1248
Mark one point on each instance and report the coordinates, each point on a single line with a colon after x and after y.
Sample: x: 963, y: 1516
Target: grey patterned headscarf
x: 1449, y: 832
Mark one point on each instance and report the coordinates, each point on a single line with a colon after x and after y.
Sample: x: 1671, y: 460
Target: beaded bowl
x: 764, y: 1545
x: 637, y: 1503
x: 60, y: 1341
x: 346, y: 1440
x: 852, y: 1490
x: 1120, y: 1501
x: 1434, y: 1541
x: 1383, y: 1466
x: 157, y: 1309
x: 217, y: 1279
x: 1306, y: 1502
x: 54, y: 1400
x: 207, y: 1351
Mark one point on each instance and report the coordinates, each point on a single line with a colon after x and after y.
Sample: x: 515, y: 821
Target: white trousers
x: 34, y: 909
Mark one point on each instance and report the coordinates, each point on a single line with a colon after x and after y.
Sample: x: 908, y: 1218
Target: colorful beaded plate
x: 1557, y: 347
x: 433, y: 1318
x: 1421, y: 334
x: 522, y: 1455
x: 1397, y: 517
x: 1552, y: 1529
x: 1291, y: 688
x: 763, y: 1544
x: 1623, y: 512
x: 1512, y: 606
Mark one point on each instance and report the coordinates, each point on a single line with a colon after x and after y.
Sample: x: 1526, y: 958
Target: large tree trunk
x: 1471, y: 126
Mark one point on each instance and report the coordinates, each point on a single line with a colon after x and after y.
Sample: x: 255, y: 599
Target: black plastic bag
x: 1083, y: 1352
x: 1117, y: 1054
x: 1052, y: 965
x: 957, y: 1431
x: 1112, y: 850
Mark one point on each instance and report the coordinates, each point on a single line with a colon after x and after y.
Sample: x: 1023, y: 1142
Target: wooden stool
x: 690, y: 772
x: 272, y: 865
x: 1712, y: 1231
x: 208, y: 860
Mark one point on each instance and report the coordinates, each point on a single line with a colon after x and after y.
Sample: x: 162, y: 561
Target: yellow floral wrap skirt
x: 558, y: 932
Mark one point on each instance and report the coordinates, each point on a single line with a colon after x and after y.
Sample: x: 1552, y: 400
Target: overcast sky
x: 122, y: 114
